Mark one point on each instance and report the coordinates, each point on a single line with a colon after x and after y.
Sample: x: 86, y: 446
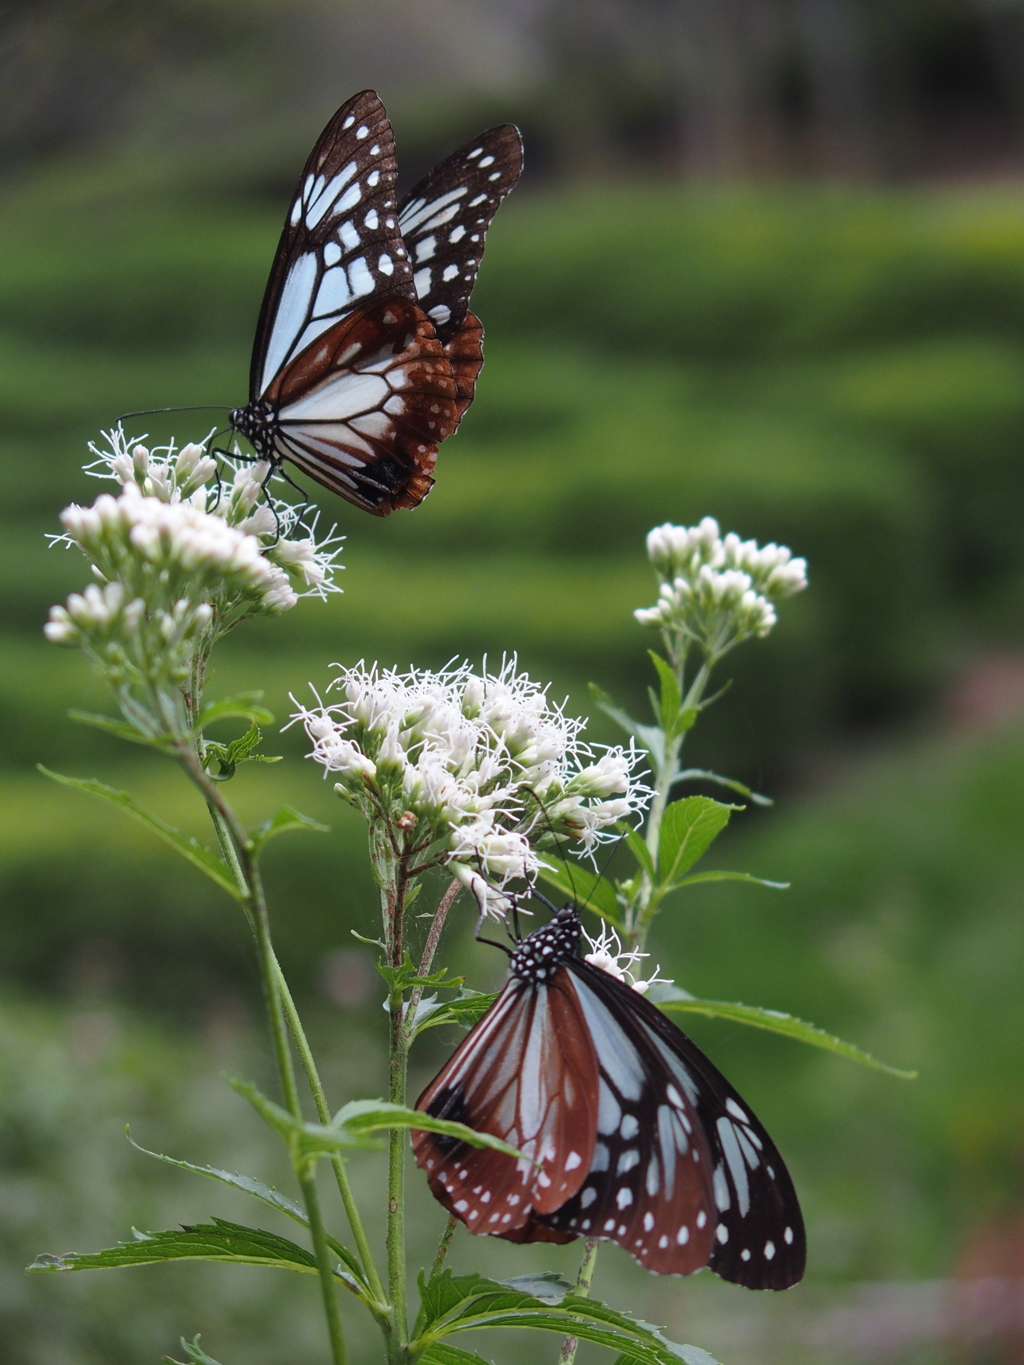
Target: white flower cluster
x: 608, y: 955
x: 182, y: 557
x: 469, y: 771
x: 717, y: 590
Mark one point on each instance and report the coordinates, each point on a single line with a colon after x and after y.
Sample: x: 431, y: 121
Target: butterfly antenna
x: 493, y: 943
x: 194, y: 407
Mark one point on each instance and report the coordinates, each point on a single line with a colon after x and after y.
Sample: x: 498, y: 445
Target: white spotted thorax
x: 475, y: 771
x: 717, y: 590
x: 181, y: 556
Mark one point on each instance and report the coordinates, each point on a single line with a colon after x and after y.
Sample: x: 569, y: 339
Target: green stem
x: 235, y: 841
x: 443, y: 1244
x: 583, y: 1281
x: 640, y: 921
x: 298, y: 1033
x: 393, y: 893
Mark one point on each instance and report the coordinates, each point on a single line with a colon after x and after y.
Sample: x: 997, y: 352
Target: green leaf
x: 587, y: 888
x: 678, y: 1001
x: 640, y: 850
x: 443, y: 1353
x: 266, y: 1193
x: 196, y: 1354
x: 242, y: 706
x: 241, y: 750
x: 401, y: 978
x: 741, y: 788
x: 283, y: 821
x: 649, y: 736
x: 542, y: 1284
x: 698, y: 877
x: 450, y: 1304
x: 671, y: 701
x: 275, y: 1199
x: 688, y: 828
x: 371, y: 1116
x: 191, y: 849
x: 216, y: 1241
x: 355, y: 1124
x: 466, y: 1009
x: 118, y: 728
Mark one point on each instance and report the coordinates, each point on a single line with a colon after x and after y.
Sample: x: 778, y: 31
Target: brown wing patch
x: 364, y: 408
x: 528, y: 1074
x: 465, y: 351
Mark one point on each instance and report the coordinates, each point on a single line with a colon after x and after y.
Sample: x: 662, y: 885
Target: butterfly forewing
x: 341, y: 246
x: 445, y: 217
x: 528, y: 1074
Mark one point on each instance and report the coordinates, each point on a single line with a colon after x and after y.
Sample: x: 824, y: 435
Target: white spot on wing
x: 421, y: 282
x: 449, y: 273
x: 630, y: 1127
x: 426, y: 248
x: 362, y: 280
x: 736, y: 1111
x: 769, y: 1250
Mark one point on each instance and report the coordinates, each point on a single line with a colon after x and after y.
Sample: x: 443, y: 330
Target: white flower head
x: 474, y: 771
x: 183, y: 551
x: 716, y: 591
x: 608, y: 955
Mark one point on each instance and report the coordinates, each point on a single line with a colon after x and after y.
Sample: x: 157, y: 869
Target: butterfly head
x: 539, y: 955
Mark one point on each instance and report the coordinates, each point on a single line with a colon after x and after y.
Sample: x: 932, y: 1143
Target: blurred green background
x: 767, y: 263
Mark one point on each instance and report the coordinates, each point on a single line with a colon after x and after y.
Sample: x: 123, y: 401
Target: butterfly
x: 366, y: 355
x: 634, y: 1136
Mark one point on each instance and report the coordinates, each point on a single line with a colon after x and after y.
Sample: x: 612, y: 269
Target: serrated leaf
x: 444, y: 1353
x: 587, y: 888
x: 195, y: 1353
x: 268, y: 1195
x: 465, y: 1010
x: 117, y: 727
x: 283, y: 821
x: 196, y: 853
x: 688, y: 828
x: 452, y: 1304
x: 678, y: 1001
x: 215, y: 1241
x: 242, y: 706
x: 544, y: 1285
x: 401, y: 978
x: 741, y: 788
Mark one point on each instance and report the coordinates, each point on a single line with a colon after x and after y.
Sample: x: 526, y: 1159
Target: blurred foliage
x: 842, y: 372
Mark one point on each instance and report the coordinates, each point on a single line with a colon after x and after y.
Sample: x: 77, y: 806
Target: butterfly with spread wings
x: 366, y: 355
x: 633, y: 1135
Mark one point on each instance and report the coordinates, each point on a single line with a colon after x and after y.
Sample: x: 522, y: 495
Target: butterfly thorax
x: 258, y: 424
x: 540, y: 954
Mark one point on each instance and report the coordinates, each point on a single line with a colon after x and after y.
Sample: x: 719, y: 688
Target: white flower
x: 608, y: 955
x: 474, y: 771
x: 716, y: 591
x: 238, y: 494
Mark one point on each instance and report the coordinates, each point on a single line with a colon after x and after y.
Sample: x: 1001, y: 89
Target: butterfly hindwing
x: 363, y: 409
x: 341, y: 246
x: 528, y: 1074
